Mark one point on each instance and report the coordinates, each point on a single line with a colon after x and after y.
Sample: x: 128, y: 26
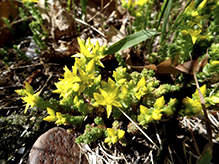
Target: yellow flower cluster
x: 193, y: 105
x: 56, y: 117
x: 195, y: 17
x: 153, y: 114
x: 114, y: 135
x: 141, y: 88
x: 108, y: 96
x: 82, y: 74
x: 29, y: 98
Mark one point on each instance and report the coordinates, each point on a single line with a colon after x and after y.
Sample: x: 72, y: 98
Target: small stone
x: 56, y: 146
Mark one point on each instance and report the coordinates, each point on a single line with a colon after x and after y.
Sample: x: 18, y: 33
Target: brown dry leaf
x: 60, y: 22
x: 68, y: 48
x: 113, y: 35
x: 203, y: 62
x: 166, y: 67
x: 191, y: 65
x: 139, y: 68
x: 188, y: 66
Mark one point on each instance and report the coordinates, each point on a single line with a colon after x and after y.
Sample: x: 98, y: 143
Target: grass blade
x: 206, y: 157
x: 160, y: 16
x: 130, y: 41
x: 178, y: 20
x: 166, y: 18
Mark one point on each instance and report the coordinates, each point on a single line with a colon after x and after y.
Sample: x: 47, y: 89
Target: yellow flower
x: 194, y: 13
x: 195, y: 31
x: 88, y: 50
x: 187, y: 101
x: 159, y: 103
x: 184, y: 32
x: 97, y: 54
x: 143, y: 110
x: 86, y: 79
x: 69, y: 83
x: 90, y: 66
x: 141, y: 88
x: 107, y: 99
x: 141, y: 2
x: 114, y: 135
x: 75, y: 87
x: 28, y: 88
x: 84, y: 49
x: 214, y: 63
x: 51, y: 117
x: 148, y: 118
x: 202, y: 4
x: 60, y: 119
x: 197, y: 108
x: 30, y: 0
x: 30, y: 99
x: 121, y: 81
x: 124, y: 92
x: 203, y: 91
x: 109, y: 85
x: 214, y: 99
x: 130, y: 4
x: 190, y: 7
x: 156, y: 114
x: 120, y: 133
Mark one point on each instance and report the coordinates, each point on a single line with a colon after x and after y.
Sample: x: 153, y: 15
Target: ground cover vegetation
x: 118, y: 74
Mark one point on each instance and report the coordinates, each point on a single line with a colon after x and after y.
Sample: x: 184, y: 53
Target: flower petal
x: 121, y: 133
x: 111, y: 131
x: 108, y: 110
x: 143, y: 110
x: 159, y: 102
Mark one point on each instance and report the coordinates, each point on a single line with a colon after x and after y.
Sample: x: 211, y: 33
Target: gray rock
x: 56, y: 146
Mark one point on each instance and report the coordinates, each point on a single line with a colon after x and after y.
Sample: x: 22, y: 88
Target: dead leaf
x: 188, y: 66
x: 203, y: 62
x: 61, y: 23
x: 139, y: 68
x: 165, y: 67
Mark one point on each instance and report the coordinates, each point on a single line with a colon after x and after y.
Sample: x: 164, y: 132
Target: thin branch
x: 139, y: 128
x: 207, y: 121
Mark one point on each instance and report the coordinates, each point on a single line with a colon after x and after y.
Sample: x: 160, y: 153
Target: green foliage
x: 7, y: 22
x: 91, y: 134
x: 211, y: 69
x: 4, y: 55
x: 99, y: 121
x: 206, y: 158
x: 84, y: 8
x: 129, y: 41
x: 36, y: 26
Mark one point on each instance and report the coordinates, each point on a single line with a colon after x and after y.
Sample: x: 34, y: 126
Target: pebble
x: 56, y: 146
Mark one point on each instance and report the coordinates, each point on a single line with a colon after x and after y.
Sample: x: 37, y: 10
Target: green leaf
x: 197, y: 2
x: 84, y: 6
x: 178, y: 20
x: 166, y: 18
x: 206, y: 158
x: 161, y: 13
x: 130, y: 41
